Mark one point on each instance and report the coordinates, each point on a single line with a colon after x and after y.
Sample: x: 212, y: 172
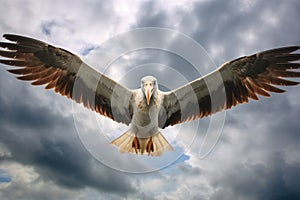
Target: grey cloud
x: 41, y: 137
x: 269, y: 180
x: 223, y: 22
x: 146, y: 56
x: 150, y: 15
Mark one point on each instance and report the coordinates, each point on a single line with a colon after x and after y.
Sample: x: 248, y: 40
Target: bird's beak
x: 149, y: 91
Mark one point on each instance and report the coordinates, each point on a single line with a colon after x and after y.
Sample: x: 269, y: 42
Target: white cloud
x: 26, y: 184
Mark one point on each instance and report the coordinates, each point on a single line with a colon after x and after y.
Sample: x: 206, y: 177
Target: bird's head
x: 149, y: 87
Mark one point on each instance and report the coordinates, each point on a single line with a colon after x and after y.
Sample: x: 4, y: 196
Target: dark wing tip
x: 291, y: 49
x: 288, y: 49
x: 24, y: 40
x: 11, y: 37
x: 281, y: 50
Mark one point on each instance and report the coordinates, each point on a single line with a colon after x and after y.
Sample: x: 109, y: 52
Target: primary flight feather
x: 147, y: 109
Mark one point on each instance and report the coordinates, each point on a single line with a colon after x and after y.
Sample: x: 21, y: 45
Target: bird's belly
x: 144, y: 131
x: 145, y: 124
x: 145, y: 116
x: 141, y: 119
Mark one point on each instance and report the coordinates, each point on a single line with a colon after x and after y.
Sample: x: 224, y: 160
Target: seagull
x: 147, y: 110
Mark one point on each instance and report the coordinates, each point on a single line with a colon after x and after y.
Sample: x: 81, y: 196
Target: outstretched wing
x: 231, y: 84
x: 67, y: 74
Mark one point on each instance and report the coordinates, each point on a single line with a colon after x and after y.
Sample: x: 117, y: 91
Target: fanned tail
x: 153, y: 146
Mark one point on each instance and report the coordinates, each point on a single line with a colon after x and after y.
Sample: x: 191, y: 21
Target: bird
x: 147, y: 110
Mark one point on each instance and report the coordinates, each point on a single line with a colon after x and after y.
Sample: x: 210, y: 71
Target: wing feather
x: 67, y: 74
x: 231, y: 84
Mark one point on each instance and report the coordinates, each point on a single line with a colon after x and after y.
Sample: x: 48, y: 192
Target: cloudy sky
x: 44, y: 150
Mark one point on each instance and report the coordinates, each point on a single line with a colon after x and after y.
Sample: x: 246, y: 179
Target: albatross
x: 147, y: 110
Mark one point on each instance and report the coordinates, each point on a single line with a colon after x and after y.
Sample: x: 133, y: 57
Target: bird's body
x: 144, y: 123
x: 145, y: 117
x: 147, y: 110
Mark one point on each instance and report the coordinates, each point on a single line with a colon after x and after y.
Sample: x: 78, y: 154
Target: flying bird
x: 147, y: 110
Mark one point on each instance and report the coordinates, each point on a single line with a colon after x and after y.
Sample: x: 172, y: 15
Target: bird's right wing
x: 232, y: 83
x: 42, y: 63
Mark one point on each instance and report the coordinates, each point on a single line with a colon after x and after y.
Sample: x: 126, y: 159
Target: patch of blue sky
x: 173, y: 160
x: 88, y: 49
x: 4, y: 177
x: 47, y: 26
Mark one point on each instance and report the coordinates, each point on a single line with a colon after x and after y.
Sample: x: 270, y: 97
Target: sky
x: 53, y: 149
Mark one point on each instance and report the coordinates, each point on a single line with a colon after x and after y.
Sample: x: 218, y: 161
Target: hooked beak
x: 148, y: 91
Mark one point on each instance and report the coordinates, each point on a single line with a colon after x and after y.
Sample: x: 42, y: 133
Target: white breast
x: 145, y: 117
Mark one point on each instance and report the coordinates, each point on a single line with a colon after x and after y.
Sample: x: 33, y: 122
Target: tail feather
x: 124, y: 142
x: 160, y: 144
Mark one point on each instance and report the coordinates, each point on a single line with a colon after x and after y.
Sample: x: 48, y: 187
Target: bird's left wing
x: 231, y: 84
x: 67, y: 74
